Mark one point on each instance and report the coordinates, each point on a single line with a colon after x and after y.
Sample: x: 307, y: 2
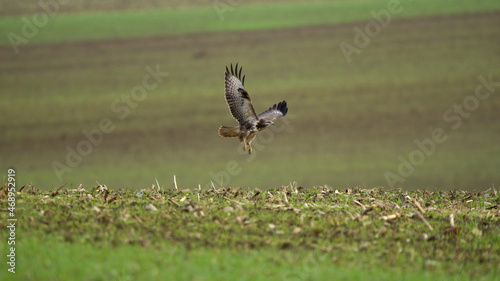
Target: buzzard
x: 241, y: 108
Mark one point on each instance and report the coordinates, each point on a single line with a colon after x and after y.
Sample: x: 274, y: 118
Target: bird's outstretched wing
x: 274, y: 112
x: 237, y: 97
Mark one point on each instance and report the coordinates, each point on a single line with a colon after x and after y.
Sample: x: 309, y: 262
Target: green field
x: 349, y: 124
x: 379, y: 150
x: 147, y: 23
x: 289, y: 233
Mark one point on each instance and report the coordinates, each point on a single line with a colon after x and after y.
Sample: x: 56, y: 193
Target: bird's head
x: 264, y: 123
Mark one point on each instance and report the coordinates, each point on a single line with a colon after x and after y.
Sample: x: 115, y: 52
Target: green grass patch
x: 290, y: 233
x: 147, y: 23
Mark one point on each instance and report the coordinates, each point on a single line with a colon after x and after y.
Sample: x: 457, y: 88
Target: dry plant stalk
x: 285, y: 198
x: 175, y: 184
x: 415, y: 203
x: 56, y: 192
x: 213, y: 187
x: 424, y: 220
x: 22, y: 188
x: 174, y: 202
x: 157, y: 184
x: 359, y: 204
x: 391, y: 217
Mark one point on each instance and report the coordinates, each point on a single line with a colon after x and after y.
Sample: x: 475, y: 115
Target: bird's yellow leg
x: 244, y: 146
x: 249, y: 149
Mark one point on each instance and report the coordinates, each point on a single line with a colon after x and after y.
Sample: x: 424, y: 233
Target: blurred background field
x: 348, y: 121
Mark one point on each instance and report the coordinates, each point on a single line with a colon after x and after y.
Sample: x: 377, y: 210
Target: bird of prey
x: 241, y: 108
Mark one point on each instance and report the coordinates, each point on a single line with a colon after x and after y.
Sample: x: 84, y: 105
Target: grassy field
x: 289, y: 233
x: 348, y: 122
x: 257, y: 16
x: 129, y: 94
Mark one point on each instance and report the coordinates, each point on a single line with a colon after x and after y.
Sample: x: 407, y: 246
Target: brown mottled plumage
x: 241, y: 108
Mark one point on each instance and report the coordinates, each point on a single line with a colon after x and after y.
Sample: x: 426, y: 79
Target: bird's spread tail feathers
x: 229, y: 132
